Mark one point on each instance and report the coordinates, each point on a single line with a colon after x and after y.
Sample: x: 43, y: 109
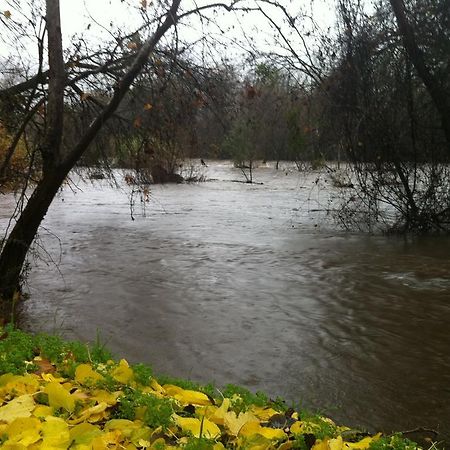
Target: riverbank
x: 58, y: 395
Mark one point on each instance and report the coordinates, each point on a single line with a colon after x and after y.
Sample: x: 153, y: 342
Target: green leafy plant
x: 157, y: 411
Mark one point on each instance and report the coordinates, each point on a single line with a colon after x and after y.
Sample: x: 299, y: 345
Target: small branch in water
x: 246, y: 182
x: 420, y: 430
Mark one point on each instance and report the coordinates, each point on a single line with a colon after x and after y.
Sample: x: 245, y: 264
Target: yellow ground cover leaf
x: 16, y: 408
x: 80, y: 395
x: 254, y: 427
x: 27, y: 384
x: 217, y: 415
x: 263, y: 414
x: 106, y: 441
x: 24, y: 430
x: 143, y: 433
x: 335, y: 444
x: 198, y: 428
x: 126, y: 427
x: 286, y: 445
x: 49, y: 378
x: 58, y: 397
x: 110, y: 398
x: 82, y: 436
x: 186, y: 396
x: 301, y: 427
x: 55, y: 434
x: 92, y: 414
x: 42, y: 411
x: 363, y: 444
x: 149, y: 390
x: 85, y: 374
x: 320, y: 445
x: 13, y: 446
x: 6, y: 378
x: 255, y: 442
x: 123, y: 372
x: 235, y: 423
x: 156, y: 386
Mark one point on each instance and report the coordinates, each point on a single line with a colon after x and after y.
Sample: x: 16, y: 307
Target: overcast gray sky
x: 76, y: 15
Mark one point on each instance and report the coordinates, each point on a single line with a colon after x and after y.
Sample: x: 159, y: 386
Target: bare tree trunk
x: 20, y: 239
x: 440, y: 97
x: 51, y: 148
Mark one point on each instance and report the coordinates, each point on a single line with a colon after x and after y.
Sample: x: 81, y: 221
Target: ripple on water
x: 206, y: 286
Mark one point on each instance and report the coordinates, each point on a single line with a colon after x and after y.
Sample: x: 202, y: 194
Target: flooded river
x: 251, y: 284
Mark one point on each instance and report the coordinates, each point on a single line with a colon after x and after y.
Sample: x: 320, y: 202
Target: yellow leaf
x: 19, y: 407
x: 58, y: 397
x: 187, y: 397
x: 7, y: 14
x: 106, y: 440
x: 122, y: 373
x: 7, y: 378
x: 55, y: 432
x: 143, y: 433
x: 157, y: 387
x: 296, y: 427
x: 301, y: 427
x: 251, y: 428
x: 50, y: 378
x: 24, y: 430
x: 83, y: 434
x: 255, y: 442
x: 320, y: 445
x: 218, y: 415
x: 148, y: 106
x: 92, y: 414
x: 42, y: 411
x: 335, y: 444
x: 263, y: 414
x: 13, y: 446
x: 197, y: 428
x: 363, y: 444
x: 234, y: 423
x: 286, y: 445
x: 110, y: 398
x: 85, y: 374
x: 126, y: 427
x: 143, y: 443
x: 21, y: 385
x: 160, y: 443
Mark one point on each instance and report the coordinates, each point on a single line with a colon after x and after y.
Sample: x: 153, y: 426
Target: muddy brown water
x: 252, y: 284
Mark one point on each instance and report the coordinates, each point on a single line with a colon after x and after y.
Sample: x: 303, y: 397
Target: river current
x: 252, y: 284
